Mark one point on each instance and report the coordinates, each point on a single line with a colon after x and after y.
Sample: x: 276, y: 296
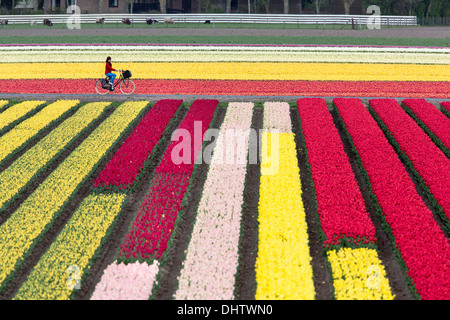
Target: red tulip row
x: 434, y: 120
x: 340, y: 203
x: 446, y: 107
x: 410, y: 89
x: 427, y: 159
x: 417, y: 237
x: 154, y: 223
x: 123, y: 169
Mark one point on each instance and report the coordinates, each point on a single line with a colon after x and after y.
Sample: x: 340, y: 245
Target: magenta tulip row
x: 427, y: 159
x: 154, y: 223
x: 341, y: 207
x: 127, y: 163
x: 418, y: 238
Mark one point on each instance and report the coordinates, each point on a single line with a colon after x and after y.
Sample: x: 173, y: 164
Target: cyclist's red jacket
x: 109, y: 68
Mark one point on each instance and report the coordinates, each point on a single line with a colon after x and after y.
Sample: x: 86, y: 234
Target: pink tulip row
x: 125, y: 166
x: 435, y: 120
x: 428, y: 160
x: 340, y: 203
x: 152, y: 227
x: 417, y: 236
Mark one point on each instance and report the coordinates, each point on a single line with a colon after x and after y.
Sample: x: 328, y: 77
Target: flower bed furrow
x: 407, y: 89
x: 60, y: 270
x: 148, y: 236
x: 21, y: 172
x: 217, y: 227
x: 431, y: 120
x: 123, y: 169
x: 426, y: 158
x: 16, y: 112
x: 283, y: 264
x: 18, y: 136
x: 416, y: 237
x: 340, y: 203
x: 29, y: 223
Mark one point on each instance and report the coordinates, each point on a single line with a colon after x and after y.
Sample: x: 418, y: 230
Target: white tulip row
x: 99, y: 54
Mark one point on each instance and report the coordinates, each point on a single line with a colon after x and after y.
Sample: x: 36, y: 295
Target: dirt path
x: 404, y: 32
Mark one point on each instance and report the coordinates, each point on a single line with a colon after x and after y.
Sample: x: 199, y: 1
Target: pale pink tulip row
x: 211, y: 261
x: 133, y: 281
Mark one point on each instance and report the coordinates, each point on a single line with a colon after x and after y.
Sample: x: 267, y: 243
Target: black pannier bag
x: 127, y: 74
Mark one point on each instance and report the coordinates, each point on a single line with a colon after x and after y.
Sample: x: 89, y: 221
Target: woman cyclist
x: 109, y: 74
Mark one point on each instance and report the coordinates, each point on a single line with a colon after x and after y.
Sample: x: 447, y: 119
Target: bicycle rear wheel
x: 99, y: 89
x: 127, y: 86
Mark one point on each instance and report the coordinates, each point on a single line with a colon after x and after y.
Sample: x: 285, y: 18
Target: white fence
x: 213, y: 18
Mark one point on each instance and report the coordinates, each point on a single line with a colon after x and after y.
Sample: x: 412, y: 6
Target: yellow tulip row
x: 283, y: 265
x: 237, y: 71
x: 3, y: 103
x: 16, y: 111
x: 25, y: 227
x: 60, y: 270
x: 24, y: 131
x: 359, y: 274
x: 15, y: 177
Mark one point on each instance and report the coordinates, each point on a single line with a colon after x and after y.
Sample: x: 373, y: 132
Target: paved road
x: 403, y: 32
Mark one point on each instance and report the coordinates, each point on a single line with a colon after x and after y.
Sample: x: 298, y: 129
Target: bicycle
x: 126, y: 85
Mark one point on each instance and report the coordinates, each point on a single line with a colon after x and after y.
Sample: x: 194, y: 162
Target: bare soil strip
x: 400, y: 32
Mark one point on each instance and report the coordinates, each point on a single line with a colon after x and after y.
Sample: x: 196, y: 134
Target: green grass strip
x: 29, y: 223
x: 59, y: 271
x: 318, y: 40
x: 22, y: 171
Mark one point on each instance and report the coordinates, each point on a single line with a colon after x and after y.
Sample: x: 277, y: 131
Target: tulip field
x: 333, y: 184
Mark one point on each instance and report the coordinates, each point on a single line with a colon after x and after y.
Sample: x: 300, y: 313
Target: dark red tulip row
x: 150, y: 232
x: 428, y: 160
x: 418, y: 237
x: 435, y: 120
x: 406, y: 89
x: 125, y: 166
x: 340, y: 203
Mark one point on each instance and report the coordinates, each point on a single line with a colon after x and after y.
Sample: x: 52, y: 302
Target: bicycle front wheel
x: 127, y: 86
x: 99, y: 89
